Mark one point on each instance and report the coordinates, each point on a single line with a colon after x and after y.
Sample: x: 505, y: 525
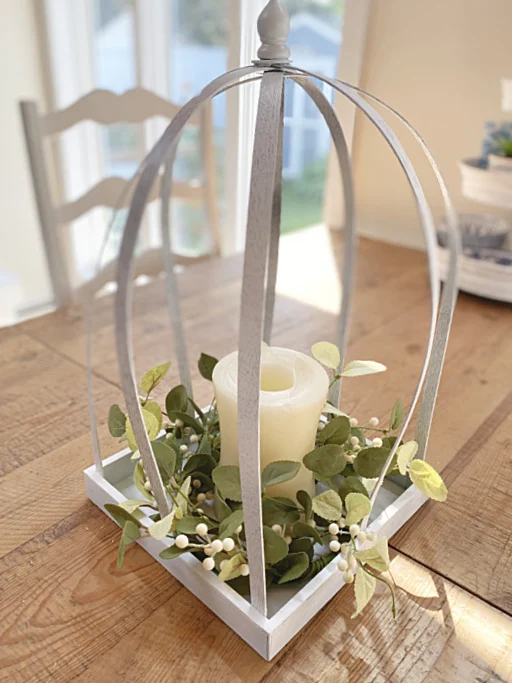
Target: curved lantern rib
x: 430, y: 239
x: 123, y: 302
x: 265, y: 165
x: 349, y: 236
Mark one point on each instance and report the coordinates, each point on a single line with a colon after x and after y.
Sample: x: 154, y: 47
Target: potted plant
x: 501, y: 159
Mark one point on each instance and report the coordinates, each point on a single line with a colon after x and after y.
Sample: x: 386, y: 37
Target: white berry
x: 178, y: 423
x: 201, y: 529
x: 182, y: 541
x: 353, y: 422
x: 238, y: 530
x: 341, y: 522
x: 147, y: 486
x: 194, y: 438
x: 201, y: 497
x: 312, y: 523
x: 277, y: 528
x: 342, y: 564
x: 228, y: 544
x: 208, y: 551
x: 217, y: 545
x: 183, y: 448
x: 209, y: 563
x: 362, y: 537
x: 196, y: 484
x: 189, y: 490
x: 334, y: 529
x: 288, y: 539
x: 335, y: 546
x: 321, y: 425
x: 348, y: 577
x: 187, y: 431
x: 244, y: 570
x: 354, y: 441
x: 349, y: 458
x: 371, y: 536
x: 209, y: 495
x: 374, y: 421
x: 352, y: 562
x: 377, y: 442
x: 354, y: 530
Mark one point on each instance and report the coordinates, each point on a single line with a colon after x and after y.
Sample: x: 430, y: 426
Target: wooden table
x: 67, y: 613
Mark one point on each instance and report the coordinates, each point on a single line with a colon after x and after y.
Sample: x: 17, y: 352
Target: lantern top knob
x: 274, y: 29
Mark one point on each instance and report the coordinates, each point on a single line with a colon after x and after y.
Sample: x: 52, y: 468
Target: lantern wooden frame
x: 107, y: 481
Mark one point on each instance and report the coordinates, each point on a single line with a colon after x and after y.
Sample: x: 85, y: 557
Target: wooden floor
x: 67, y: 613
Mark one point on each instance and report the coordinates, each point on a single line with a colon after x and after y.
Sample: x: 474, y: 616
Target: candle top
x: 287, y: 376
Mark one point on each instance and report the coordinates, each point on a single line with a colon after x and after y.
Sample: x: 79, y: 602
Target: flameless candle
x: 293, y: 392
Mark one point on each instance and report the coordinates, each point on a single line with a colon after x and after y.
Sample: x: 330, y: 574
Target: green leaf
x: 189, y: 421
x: 279, y: 471
x: 131, y: 533
x: 116, y: 422
x: 121, y: 516
x: 206, y: 366
x: 277, y: 512
x: 153, y: 377
x: 165, y: 457
x: 152, y: 429
x: 200, y: 462
x: 220, y: 507
x: 187, y: 525
x: 301, y: 530
x: 227, y: 479
x: 305, y: 500
x: 352, y: 485
x: 397, y: 415
x: 427, y: 480
x: 328, y: 506
x: 302, y: 545
x: 182, y: 499
x: 377, y: 557
x: 230, y: 524
x: 139, y: 479
x: 364, y: 589
x: 132, y: 506
x: 325, y: 461
x: 160, y: 529
x: 176, y: 401
x: 173, y: 552
x: 154, y: 408
x: 370, y: 461
x: 293, y: 567
x: 358, y: 506
x: 329, y: 409
x: 231, y: 569
x: 326, y: 353
x: 357, y: 368
x: 405, y: 454
x: 205, y: 446
x: 336, y: 431
x: 276, y: 548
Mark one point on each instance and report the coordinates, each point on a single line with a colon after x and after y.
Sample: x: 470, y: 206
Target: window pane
x: 315, y: 42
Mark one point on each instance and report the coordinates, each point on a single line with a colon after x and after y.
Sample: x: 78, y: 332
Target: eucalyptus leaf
x: 326, y: 461
x: 231, y: 569
x: 276, y: 548
x: 116, y: 422
x: 405, y: 454
x: 230, y: 524
x: 154, y: 408
x: 370, y: 461
x: 364, y: 589
x: 173, y: 551
x: 358, y: 368
x: 279, y: 471
x: 205, y: 445
x: 139, y: 479
x: 301, y: 530
x: 197, y: 409
x: 358, y: 506
x: 121, y: 516
x: 152, y: 429
x: 187, y: 525
x: 352, y: 485
x: 153, y: 377
x: 302, y: 545
x: 165, y: 457
x: 131, y: 533
x: 377, y: 556
x: 132, y: 505
x: 182, y: 497
x: 328, y: 506
x: 327, y: 354
x: 206, y: 365
x: 329, y: 409
x: 397, y: 415
x: 189, y: 421
x: 160, y: 529
x: 336, y: 431
x: 276, y: 512
x: 293, y: 566
x: 227, y: 480
x: 199, y: 462
x: 304, y: 499
x: 427, y: 480
x: 176, y: 401
x: 220, y: 507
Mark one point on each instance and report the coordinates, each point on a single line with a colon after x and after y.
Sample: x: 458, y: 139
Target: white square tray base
x: 291, y: 607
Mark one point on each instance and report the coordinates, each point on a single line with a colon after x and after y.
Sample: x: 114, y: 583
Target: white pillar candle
x: 293, y: 393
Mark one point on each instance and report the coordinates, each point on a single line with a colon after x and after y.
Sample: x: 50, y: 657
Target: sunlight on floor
x: 308, y: 271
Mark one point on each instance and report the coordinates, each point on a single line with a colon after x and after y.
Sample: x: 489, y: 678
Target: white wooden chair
x: 105, y: 107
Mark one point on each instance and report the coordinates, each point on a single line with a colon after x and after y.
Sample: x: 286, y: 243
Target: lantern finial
x: 274, y: 29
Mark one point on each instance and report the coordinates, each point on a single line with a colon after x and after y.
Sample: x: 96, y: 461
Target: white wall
x: 21, y: 251
x: 439, y: 62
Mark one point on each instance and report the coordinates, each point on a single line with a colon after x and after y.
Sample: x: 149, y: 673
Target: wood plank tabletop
x: 67, y: 613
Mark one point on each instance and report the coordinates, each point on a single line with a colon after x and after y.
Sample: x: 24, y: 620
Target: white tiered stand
x: 494, y: 188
